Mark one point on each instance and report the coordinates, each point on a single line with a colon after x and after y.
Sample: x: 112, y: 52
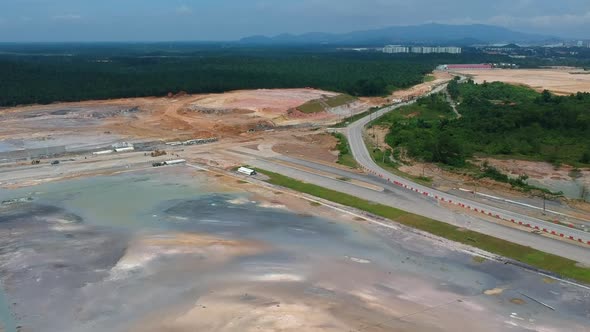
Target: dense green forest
x: 45, y: 73
x: 497, y: 119
x: 44, y: 79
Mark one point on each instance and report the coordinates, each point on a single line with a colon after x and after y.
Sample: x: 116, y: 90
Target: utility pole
x: 544, y: 206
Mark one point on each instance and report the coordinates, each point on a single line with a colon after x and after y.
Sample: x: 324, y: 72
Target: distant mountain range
x: 426, y: 33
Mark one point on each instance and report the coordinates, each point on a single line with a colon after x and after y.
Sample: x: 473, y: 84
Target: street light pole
x: 544, y: 206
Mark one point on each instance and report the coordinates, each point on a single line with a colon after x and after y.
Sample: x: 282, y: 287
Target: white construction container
x: 100, y: 153
x: 127, y: 149
x: 247, y: 171
x: 175, y: 162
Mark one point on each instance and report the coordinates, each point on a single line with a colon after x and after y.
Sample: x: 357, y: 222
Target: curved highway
x: 354, y: 133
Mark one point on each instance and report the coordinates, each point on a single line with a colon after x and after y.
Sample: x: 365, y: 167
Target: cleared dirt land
x: 435, y: 79
x: 562, y: 81
x: 177, y: 117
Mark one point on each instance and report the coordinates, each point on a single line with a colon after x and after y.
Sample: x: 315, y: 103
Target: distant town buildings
x: 394, y: 49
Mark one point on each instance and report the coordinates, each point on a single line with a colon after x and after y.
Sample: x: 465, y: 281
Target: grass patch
x: 339, y: 100
x: 346, y: 121
x: 390, y: 166
x: 312, y: 106
x: 429, y: 78
x: 347, y: 160
x: 315, y: 204
x: 242, y: 182
x: 430, y: 110
x: 344, y: 156
x: 320, y: 105
x: 559, y: 265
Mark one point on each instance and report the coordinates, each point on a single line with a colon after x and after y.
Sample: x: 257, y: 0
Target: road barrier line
x: 479, y: 210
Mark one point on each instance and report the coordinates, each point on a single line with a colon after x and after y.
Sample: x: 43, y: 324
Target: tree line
x: 46, y: 73
x: 38, y: 79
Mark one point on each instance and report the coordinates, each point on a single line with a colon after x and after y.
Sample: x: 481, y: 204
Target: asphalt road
x: 407, y: 201
x: 354, y: 133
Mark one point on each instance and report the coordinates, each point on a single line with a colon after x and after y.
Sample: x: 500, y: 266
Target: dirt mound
x: 260, y: 101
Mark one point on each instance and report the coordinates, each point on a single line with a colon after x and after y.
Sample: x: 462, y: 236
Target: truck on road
x: 169, y: 162
x: 247, y: 171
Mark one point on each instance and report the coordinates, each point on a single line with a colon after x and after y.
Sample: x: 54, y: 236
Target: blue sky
x: 158, y: 20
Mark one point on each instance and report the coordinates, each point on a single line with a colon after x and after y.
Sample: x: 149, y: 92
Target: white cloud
x: 544, y: 21
x: 67, y: 17
x: 570, y: 25
x: 184, y: 10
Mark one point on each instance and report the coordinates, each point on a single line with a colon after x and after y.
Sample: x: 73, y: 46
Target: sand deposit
x: 563, y: 81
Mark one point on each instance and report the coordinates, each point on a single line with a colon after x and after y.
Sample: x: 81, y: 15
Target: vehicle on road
x: 55, y: 162
x: 247, y: 171
x: 169, y: 162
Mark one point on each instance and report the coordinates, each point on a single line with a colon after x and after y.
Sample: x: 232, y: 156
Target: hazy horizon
x: 228, y: 20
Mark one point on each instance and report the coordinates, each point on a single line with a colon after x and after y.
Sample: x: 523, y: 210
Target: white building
x: 449, y: 49
x: 417, y: 49
x: 391, y: 49
x: 435, y: 49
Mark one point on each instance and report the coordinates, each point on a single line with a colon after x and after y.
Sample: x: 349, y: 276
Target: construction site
x: 560, y: 81
x: 167, y: 188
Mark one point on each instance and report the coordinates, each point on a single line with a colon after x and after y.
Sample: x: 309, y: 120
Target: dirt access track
x: 440, y: 77
x: 561, y: 81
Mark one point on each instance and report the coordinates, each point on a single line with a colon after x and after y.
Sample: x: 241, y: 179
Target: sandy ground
x: 264, y: 102
x: 440, y: 77
x: 180, y: 117
x: 563, y: 81
x: 217, y: 250
x: 313, y: 146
